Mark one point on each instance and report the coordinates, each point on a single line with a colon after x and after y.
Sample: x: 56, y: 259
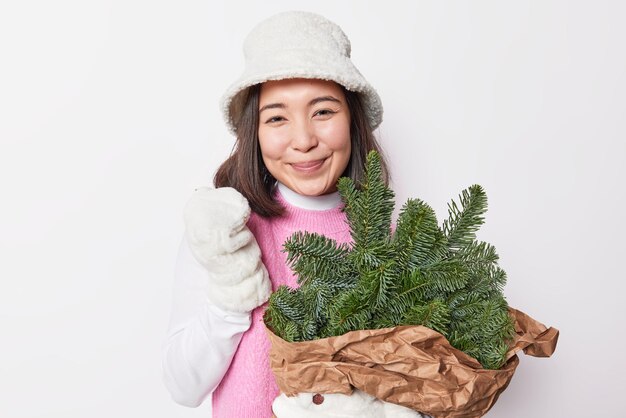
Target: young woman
x: 303, y: 116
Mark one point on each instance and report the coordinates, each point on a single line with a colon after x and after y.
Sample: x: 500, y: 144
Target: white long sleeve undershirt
x: 202, y: 338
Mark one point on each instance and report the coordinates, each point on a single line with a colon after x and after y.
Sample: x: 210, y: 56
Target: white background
x: 109, y: 117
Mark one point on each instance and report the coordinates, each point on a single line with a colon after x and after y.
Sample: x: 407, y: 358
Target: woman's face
x: 304, y: 133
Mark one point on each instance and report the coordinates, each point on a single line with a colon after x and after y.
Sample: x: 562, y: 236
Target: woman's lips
x: 308, y: 166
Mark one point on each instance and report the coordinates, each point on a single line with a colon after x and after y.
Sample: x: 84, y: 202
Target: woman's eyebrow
x: 272, y: 106
x: 323, y: 99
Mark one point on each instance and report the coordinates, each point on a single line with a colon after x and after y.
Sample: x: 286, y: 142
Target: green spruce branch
x: 421, y: 274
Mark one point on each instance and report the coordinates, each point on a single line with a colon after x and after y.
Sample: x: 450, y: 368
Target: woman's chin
x: 312, y: 189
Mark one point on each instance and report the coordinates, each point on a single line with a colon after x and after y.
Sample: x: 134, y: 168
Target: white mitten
x: 335, y: 405
x: 215, y: 227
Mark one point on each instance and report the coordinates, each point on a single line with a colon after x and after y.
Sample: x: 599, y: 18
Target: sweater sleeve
x: 202, y: 338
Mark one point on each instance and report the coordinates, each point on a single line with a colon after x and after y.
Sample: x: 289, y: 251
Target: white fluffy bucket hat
x: 298, y: 45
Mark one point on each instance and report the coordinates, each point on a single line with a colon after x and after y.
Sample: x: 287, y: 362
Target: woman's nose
x: 303, y: 137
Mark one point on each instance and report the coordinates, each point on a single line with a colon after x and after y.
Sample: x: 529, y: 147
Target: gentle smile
x: 308, y: 165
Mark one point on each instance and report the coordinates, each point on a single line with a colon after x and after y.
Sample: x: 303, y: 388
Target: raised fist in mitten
x: 215, y: 228
x: 216, y: 221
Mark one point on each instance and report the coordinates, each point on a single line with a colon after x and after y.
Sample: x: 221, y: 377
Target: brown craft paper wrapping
x: 412, y: 366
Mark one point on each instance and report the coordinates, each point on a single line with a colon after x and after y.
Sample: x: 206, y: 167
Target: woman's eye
x: 324, y: 112
x: 275, y: 119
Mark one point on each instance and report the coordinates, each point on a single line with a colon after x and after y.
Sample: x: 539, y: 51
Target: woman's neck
x: 324, y: 202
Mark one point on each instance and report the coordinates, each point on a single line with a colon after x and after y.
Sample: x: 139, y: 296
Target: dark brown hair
x: 245, y: 171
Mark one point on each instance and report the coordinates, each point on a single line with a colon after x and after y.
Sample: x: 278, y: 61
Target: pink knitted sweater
x: 248, y: 388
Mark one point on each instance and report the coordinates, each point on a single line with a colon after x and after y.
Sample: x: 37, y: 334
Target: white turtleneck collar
x: 324, y: 202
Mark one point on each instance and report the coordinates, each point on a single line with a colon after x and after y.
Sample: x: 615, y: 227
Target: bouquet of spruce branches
x: 418, y: 274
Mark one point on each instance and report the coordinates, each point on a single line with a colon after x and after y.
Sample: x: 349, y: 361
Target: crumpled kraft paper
x: 412, y: 366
